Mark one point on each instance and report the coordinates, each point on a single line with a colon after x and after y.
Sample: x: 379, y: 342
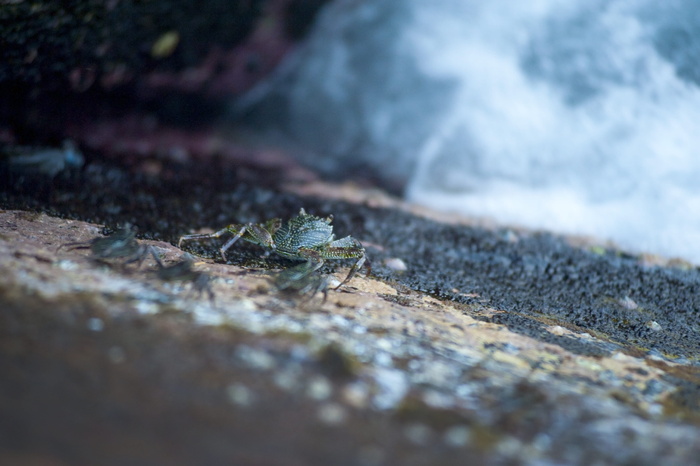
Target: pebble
x: 654, y: 325
x: 628, y: 303
x: 395, y: 264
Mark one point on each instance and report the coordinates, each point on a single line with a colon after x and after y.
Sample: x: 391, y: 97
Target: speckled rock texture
x: 469, y: 344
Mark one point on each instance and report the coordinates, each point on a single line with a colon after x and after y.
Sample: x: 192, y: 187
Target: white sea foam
x: 617, y: 161
x: 579, y: 116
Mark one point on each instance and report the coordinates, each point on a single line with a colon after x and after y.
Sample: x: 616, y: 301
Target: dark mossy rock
x: 45, y: 42
x: 89, y: 56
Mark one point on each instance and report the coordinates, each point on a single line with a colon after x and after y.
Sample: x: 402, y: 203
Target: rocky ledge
x: 468, y: 344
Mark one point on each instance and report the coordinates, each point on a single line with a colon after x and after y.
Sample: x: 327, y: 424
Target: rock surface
x: 458, y: 358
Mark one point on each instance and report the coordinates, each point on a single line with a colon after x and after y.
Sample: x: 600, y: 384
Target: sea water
x: 577, y: 116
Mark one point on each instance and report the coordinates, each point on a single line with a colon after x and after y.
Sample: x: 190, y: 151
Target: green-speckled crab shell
x: 303, y: 238
x: 303, y: 231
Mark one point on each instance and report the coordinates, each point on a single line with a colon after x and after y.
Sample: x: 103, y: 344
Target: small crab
x: 121, y: 244
x: 182, y: 272
x: 298, y: 280
x: 42, y: 161
x: 304, y: 237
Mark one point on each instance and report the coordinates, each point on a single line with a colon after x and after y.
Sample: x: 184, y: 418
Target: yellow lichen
x: 165, y: 45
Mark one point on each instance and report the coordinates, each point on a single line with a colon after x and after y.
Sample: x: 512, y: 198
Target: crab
x: 303, y: 238
x: 121, y: 244
x: 41, y: 161
x: 183, y: 271
x: 296, y: 280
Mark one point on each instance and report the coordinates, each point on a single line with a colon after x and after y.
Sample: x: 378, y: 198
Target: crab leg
x: 348, y: 248
x: 298, y: 273
x: 201, y: 236
x: 230, y: 242
x: 360, y: 262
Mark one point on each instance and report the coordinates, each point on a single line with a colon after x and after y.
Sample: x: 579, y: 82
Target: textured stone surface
x: 108, y: 364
